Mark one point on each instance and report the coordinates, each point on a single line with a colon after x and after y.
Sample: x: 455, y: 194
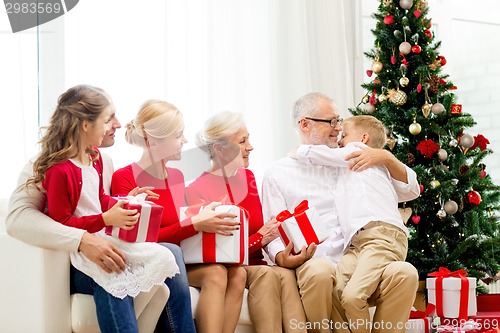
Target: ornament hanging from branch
x: 474, y: 198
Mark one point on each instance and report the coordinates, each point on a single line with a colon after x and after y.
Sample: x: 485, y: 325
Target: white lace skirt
x: 147, y: 264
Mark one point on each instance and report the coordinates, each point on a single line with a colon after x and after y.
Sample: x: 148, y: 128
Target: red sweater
x: 242, y: 192
x: 63, y: 183
x: 171, y: 193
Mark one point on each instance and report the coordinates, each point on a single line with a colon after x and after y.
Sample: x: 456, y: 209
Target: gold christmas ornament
x: 435, y: 183
x: 391, y: 142
x: 426, y: 109
x: 397, y: 97
x: 404, y: 81
x: 386, y: 2
x: 365, y: 99
x: 382, y: 97
x: 415, y: 128
x: 405, y: 213
x: 422, y: 5
x: 377, y: 66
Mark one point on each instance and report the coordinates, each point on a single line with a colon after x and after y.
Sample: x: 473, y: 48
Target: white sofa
x: 34, y: 293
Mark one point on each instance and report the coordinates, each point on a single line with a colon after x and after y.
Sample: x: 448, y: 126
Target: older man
x: 287, y: 182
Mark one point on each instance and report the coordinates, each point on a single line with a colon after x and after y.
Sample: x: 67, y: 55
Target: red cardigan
x: 242, y: 192
x: 63, y: 184
x: 171, y: 193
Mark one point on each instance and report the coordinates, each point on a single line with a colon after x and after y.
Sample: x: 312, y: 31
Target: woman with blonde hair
x: 158, y: 129
x: 273, y: 299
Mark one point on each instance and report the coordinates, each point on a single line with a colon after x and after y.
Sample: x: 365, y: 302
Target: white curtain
x: 251, y: 56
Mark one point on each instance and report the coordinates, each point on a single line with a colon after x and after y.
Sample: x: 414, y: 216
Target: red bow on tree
x: 480, y: 141
x: 428, y: 148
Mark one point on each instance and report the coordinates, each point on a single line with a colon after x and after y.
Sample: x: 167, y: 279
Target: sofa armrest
x: 35, y: 288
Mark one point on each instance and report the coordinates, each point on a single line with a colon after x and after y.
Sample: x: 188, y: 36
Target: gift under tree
x: 454, y: 223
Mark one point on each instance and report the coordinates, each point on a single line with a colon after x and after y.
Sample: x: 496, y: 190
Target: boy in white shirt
x: 367, y: 207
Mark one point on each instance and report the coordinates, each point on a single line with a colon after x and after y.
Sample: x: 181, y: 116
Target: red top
x: 63, y: 183
x: 171, y: 193
x: 241, y: 190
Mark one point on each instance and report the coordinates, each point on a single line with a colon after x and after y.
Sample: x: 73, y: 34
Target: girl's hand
x: 208, y: 220
x: 269, y: 231
x: 117, y: 216
x: 146, y: 189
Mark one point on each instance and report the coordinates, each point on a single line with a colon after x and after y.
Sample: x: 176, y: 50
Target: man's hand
x: 286, y: 259
x: 102, y: 252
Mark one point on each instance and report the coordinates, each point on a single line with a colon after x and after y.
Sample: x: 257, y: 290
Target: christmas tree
x: 454, y: 223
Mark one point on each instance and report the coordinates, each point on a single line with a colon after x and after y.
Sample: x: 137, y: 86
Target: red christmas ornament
x: 417, y: 13
x: 416, y: 48
x: 419, y: 87
x: 442, y: 60
x: 480, y: 141
x: 428, y: 33
x: 427, y: 148
x: 393, y: 60
x: 474, y: 197
x: 415, y: 219
x: 369, y: 72
x: 482, y: 174
x: 456, y: 108
x: 421, y: 188
x: 389, y: 19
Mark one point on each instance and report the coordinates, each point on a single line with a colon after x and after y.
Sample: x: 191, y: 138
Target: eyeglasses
x: 333, y: 122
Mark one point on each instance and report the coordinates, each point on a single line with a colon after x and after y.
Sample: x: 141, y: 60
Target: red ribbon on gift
x: 208, y: 243
x: 423, y: 315
x: 464, y: 291
x: 302, y: 221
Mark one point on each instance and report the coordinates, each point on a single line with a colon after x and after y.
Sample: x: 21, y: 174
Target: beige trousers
x: 316, y: 280
x: 273, y: 300
x: 372, y: 271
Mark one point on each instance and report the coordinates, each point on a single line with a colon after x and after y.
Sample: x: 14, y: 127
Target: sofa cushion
x: 244, y: 316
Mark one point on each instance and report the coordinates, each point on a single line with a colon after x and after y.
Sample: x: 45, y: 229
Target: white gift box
x: 209, y: 247
x: 302, y: 229
x: 451, y: 295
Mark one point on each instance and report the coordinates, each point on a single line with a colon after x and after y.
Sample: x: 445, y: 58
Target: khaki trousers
x: 316, y: 280
x: 273, y: 300
x: 372, y: 271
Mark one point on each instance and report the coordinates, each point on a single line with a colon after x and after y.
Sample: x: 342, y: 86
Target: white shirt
x: 287, y: 182
x: 360, y: 196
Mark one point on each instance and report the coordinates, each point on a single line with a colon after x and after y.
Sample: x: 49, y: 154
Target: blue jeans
x: 114, y: 315
x: 177, y: 316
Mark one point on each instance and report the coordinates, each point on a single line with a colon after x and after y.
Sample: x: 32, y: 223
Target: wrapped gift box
x: 302, y: 228
x: 207, y: 247
x: 451, y: 296
x: 148, y: 226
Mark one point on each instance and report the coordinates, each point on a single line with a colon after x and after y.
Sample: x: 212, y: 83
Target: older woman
x: 158, y: 128
x: 274, y: 301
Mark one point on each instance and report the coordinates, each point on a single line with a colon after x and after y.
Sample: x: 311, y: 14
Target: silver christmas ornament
x: 442, y: 154
x: 406, y: 4
x: 437, y: 108
x: 451, y: 207
x: 466, y: 141
x: 453, y: 143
